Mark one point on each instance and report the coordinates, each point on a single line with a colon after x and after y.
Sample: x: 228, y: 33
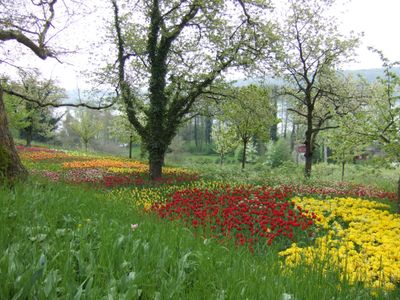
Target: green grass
x: 59, y: 241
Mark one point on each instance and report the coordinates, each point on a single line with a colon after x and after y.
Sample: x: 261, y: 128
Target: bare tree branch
x: 41, y: 104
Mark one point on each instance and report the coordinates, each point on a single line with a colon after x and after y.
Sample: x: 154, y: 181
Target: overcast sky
x: 378, y: 20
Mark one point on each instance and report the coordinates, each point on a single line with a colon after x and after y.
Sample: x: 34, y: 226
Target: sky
x: 377, y: 20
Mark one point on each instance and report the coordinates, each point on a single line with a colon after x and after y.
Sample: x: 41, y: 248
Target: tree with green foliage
x: 40, y: 121
x: 345, y: 146
x: 16, y: 112
x: 124, y: 132
x: 378, y: 121
x: 250, y: 112
x: 310, y: 51
x: 278, y: 152
x: 178, y: 50
x: 224, y: 138
x: 86, y: 127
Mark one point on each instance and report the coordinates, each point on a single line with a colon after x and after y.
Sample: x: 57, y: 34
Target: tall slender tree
x: 86, y: 127
x: 250, y: 112
x: 377, y: 122
x: 310, y: 52
x: 225, y: 139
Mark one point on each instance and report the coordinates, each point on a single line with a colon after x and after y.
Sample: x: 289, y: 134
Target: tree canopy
x: 177, y: 50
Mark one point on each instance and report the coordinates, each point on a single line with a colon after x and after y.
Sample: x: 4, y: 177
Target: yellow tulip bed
x: 144, y: 168
x: 146, y: 197
x: 103, y: 163
x: 361, y: 238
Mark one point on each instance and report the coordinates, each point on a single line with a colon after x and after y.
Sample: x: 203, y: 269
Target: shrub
x: 278, y: 153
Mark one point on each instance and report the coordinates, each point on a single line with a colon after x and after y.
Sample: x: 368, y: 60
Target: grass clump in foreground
x: 59, y: 241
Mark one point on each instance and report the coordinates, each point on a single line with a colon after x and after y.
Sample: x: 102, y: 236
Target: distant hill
x: 369, y: 74
x: 73, y: 96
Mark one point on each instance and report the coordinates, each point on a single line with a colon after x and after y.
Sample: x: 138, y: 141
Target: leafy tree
x: 310, y: 51
x: 378, y: 121
x: 122, y: 130
x: 225, y: 139
x: 278, y: 153
x: 40, y: 122
x: 16, y: 112
x: 345, y: 146
x: 67, y: 135
x: 250, y: 112
x: 86, y: 127
x: 178, y: 50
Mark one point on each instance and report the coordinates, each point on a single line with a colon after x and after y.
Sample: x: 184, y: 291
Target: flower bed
x: 21, y: 148
x: 40, y: 153
x: 102, y: 163
x: 362, y: 240
x: 341, y: 189
x: 249, y: 216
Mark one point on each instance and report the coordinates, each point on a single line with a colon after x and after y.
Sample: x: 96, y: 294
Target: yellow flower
x: 364, y: 250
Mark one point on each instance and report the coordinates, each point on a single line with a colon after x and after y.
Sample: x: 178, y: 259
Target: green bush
x: 278, y: 153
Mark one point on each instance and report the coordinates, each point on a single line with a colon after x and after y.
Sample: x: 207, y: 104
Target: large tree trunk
x: 28, y: 132
x: 309, y: 153
x: 309, y: 142
x: 156, y: 162
x: 244, y: 153
x: 11, y: 167
x: 130, y: 146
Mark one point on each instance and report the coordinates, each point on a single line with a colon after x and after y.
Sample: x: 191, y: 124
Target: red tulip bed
x: 257, y: 216
x: 21, y: 148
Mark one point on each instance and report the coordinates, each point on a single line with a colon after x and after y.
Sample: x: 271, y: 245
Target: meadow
x: 86, y: 226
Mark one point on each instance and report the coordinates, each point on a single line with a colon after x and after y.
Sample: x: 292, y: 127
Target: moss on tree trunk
x: 11, y: 167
